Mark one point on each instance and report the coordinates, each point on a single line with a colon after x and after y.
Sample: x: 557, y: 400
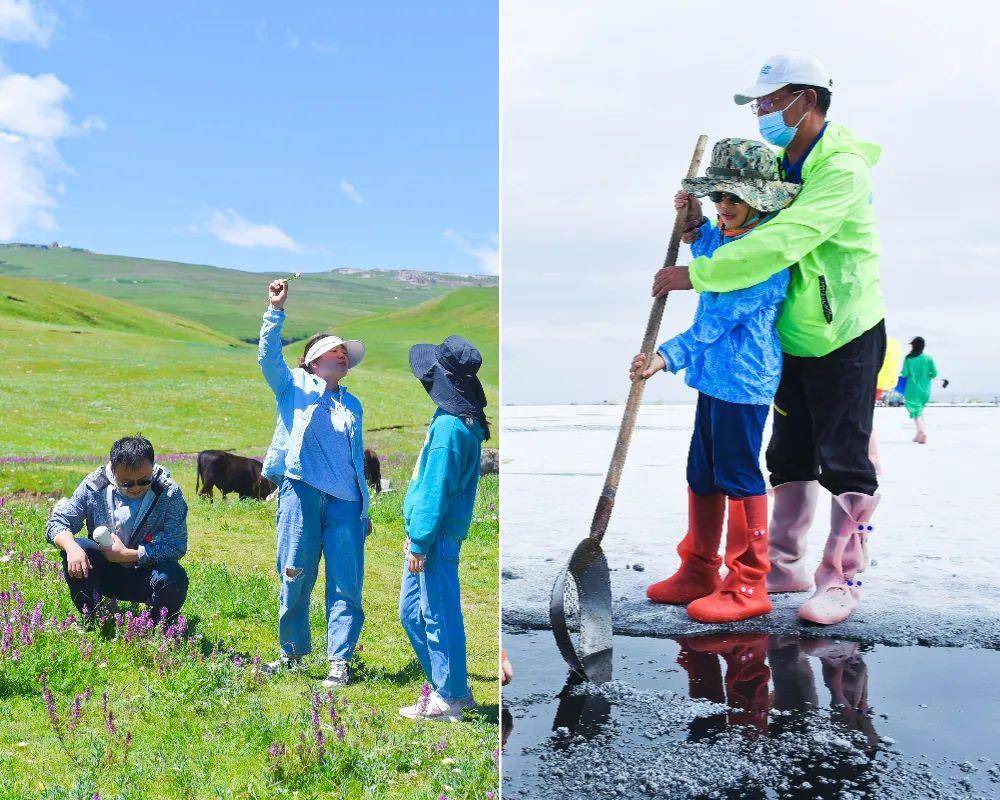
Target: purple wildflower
x: 425, y: 696
x: 341, y: 733
x: 276, y: 752
x: 76, y: 712
x: 50, y: 703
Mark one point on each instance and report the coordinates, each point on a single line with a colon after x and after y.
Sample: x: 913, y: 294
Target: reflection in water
x: 580, y: 713
x: 750, y: 716
x: 735, y: 670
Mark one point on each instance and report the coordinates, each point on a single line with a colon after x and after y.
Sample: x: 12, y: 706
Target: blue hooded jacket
x: 731, y: 351
x: 442, y: 492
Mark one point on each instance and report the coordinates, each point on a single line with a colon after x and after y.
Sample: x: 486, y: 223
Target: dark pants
x: 725, y: 448
x: 161, y: 585
x: 823, y: 417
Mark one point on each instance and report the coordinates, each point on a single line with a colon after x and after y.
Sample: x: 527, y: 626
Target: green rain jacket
x: 827, y: 235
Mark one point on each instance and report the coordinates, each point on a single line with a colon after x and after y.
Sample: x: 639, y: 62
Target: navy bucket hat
x: 448, y: 373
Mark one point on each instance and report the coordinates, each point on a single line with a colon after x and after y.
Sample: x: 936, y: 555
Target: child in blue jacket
x: 732, y: 356
x: 438, y: 512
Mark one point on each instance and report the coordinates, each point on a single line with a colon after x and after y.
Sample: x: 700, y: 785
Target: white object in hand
x: 102, y: 536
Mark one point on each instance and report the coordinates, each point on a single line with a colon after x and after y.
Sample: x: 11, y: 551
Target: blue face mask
x: 774, y: 129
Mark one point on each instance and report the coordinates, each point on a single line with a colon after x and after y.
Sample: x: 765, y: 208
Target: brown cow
x: 220, y: 469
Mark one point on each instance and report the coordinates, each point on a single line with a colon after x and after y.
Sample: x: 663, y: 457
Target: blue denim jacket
x: 163, y: 535
x: 298, y: 393
x: 731, y: 351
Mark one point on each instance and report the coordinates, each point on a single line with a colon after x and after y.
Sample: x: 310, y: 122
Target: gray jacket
x: 160, y: 535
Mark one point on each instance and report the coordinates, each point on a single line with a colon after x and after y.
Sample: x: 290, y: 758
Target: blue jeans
x: 162, y: 585
x: 312, y: 524
x: 725, y: 448
x: 430, y: 609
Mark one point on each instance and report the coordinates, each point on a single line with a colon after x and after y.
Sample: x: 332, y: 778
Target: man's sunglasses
x: 718, y: 197
x: 140, y: 482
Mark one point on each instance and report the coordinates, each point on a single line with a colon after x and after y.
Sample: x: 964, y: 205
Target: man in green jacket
x: 832, y: 330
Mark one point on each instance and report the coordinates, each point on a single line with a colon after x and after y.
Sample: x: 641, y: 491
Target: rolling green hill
x: 229, y: 300
x: 55, y: 304
x: 72, y: 393
x: 472, y: 313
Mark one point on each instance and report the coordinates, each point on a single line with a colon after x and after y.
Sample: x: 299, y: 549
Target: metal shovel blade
x: 581, y: 599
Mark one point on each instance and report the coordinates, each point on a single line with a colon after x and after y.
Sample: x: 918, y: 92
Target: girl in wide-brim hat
x: 732, y: 356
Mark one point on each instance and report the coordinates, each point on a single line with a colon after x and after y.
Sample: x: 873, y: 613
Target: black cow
x: 219, y: 469
x: 373, y: 470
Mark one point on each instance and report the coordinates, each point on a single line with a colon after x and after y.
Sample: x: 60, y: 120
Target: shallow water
x: 753, y: 716
x: 932, y: 579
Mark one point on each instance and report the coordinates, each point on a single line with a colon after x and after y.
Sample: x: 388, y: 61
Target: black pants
x: 162, y: 585
x: 823, y: 417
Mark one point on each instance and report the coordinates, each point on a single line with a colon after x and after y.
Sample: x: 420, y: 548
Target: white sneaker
x: 282, y: 664
x: 435, y: 707
x: 338, y: 676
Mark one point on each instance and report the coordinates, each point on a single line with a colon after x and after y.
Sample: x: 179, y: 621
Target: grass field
x: 192, y: 715
x: 227, y: 300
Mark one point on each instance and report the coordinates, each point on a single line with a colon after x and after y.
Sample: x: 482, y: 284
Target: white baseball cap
x: 355, y: 349
x: 783, y: 69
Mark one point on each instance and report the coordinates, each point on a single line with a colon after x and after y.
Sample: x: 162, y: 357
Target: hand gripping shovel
x: 583, y: 589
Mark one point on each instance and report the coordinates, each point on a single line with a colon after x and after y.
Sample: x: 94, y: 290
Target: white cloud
x: 485, y: 250
x: 983, y: 250
x: 324, y: 49
x: 23, y: 21
x: 228, y: 226
x: 292, y: 40
x: 260, y: 31
x: 348, y: 188
x: 33, y: 121
x: 601, y: 107
x: 33, y: 106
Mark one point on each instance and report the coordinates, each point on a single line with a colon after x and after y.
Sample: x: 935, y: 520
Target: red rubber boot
x: 743, y: 593
x: 698, y: 574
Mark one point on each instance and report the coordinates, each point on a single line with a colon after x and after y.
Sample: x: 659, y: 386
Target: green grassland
x: 203, y: 722
x: 227, y: 300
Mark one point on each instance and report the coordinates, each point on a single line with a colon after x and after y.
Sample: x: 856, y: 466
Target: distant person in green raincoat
x: 919, y: 370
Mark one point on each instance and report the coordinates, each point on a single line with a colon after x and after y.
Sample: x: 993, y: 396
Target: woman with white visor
x: 316, y: 458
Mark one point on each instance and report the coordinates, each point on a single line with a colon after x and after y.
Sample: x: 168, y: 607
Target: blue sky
x: 315, y: 136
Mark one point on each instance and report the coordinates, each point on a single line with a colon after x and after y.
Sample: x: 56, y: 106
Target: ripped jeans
x: 311, y: 525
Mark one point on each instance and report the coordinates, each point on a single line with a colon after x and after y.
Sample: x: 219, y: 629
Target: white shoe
x: 435, y: 707
x: 338, y: 676
x: 282, y: 664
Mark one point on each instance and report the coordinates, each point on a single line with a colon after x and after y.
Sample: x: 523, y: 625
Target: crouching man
x: 136, y: 533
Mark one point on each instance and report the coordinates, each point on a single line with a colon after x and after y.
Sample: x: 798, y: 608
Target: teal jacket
x: 442, y: 490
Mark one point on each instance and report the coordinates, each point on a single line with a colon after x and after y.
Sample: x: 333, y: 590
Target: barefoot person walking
x: 317, y: 460
x: 832, y: 330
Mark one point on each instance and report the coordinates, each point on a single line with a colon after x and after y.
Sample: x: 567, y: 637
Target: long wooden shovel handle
x: 606, y: 502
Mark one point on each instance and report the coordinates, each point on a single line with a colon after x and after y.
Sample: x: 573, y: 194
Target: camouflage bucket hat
x: 747, y: 169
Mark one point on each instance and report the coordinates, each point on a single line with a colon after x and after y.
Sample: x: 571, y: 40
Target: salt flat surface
x: 935, y: 572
